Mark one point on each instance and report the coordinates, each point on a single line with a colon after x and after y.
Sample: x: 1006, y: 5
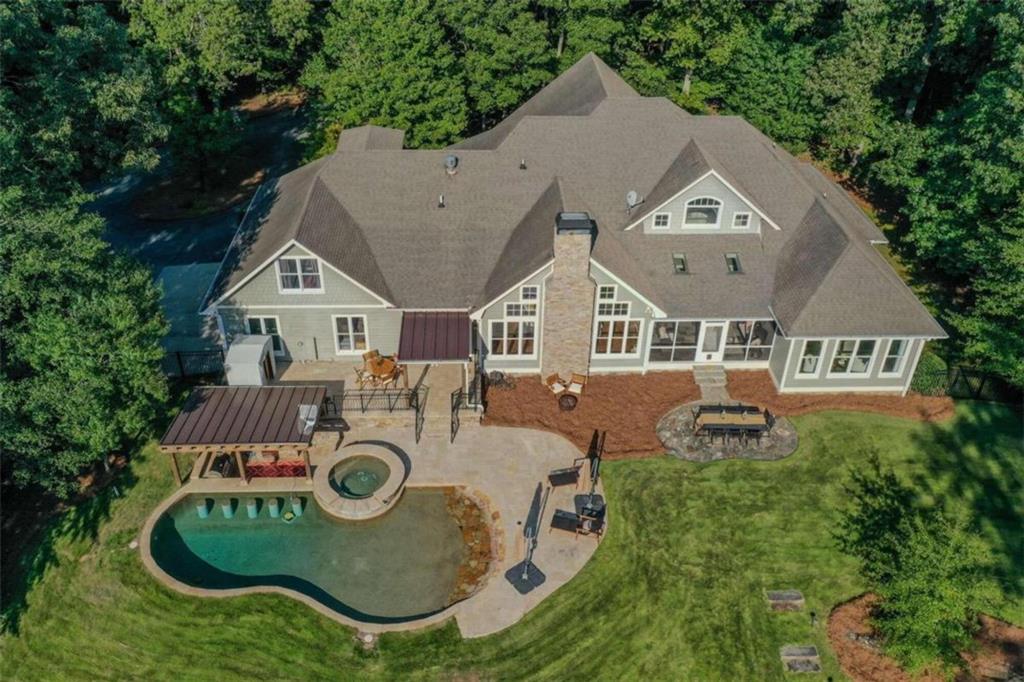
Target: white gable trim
x: 479, y: 312
x: 732, y: 189
x: 658, y: 312
x: 384, y: 301
x: 210, y: 309
x: 245, y: 280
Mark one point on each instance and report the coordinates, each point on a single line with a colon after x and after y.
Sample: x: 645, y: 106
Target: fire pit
x: 567, y: 402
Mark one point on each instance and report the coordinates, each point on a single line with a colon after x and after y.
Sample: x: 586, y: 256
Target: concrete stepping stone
x: 800, y: 658
x: 785, y: 600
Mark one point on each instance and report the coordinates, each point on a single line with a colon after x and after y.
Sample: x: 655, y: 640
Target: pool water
x: 398, y: 567
x: 359, y: 477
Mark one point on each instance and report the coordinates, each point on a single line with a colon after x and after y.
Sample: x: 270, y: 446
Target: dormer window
x: 702, y: 212
x: 299, y: 276
x: 732, y: 263
x: 679, y: 263
x: 661, y: 221
x: 741, y: 221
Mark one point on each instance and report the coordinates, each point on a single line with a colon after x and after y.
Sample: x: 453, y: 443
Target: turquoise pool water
x: 359, y: 477
x: 400, y: 566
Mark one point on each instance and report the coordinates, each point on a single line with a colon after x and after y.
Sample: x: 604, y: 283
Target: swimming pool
x: 398, y: 567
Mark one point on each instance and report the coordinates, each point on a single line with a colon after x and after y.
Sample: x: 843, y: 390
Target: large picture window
x: 299, y: 275
x: 350, y: 334
x: 852, y: 357
x: 702, y: 212
x: 674, y: 341
x: 614, y: 332
x: 749, y: 340
x: 516, y: 335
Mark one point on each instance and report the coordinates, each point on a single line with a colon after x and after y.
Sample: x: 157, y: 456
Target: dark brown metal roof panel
x: 433, y: 337
x: 225, y: 415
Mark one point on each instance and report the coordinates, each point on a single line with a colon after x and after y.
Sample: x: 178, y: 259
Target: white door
x: 712, y: 342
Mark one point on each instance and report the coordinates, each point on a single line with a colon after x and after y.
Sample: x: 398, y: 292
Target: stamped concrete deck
x: 504, y: 467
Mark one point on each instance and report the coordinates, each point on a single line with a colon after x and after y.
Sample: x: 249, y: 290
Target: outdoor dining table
x: 711, y: 418
x: 383, y: 366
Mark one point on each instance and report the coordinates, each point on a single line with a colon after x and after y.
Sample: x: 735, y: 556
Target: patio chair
x: 567, y: 475
x: 554, y: 382
x: 371, y: 355
x: 577, y: 384
x: 362, y: 378
x: 577, y: 524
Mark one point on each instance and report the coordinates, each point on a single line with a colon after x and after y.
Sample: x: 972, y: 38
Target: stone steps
x: 709, y: 375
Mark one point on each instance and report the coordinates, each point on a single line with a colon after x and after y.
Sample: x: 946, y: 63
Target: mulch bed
x: 626, y: 406
x: 1000, y: 648
x: 757, y: 388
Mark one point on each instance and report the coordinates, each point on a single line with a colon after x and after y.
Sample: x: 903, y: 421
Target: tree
x: 577, y: 27
x: 686, y: 45
x: 929, y: 608
x: 388, y: 63
x: 81, y: 332
x: 76, y: 101
x: 505, y: 55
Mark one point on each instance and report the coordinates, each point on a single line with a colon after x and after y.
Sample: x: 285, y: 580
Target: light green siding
x: 708, y: 187
x: 496, y: 311
x: 871, y: 381
x: 637, y: 310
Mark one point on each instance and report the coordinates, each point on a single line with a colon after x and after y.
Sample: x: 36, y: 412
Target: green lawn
x: 673, y: 593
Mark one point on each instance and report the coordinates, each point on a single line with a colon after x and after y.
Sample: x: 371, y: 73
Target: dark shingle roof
x: 587, y: 139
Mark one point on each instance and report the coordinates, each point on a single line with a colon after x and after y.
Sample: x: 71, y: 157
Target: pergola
x: 236, y: 419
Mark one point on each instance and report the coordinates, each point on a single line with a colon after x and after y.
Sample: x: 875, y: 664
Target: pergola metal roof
x: 434, y: 336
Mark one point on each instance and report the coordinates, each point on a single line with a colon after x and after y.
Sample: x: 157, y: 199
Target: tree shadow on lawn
x: 40, y: 527
x: 977, y: 462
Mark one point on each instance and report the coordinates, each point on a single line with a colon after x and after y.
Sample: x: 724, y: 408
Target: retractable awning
x: 434, y: 337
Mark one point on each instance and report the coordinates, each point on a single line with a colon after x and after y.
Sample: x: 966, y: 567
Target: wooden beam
x: 176, y: 468
x: 241, y: 467
x: 309, y: 469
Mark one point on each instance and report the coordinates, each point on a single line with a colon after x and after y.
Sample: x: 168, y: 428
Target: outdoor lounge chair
x: 555, y: 383
x: 577, y: 384
x: 567, y: 475
x: 577, y: 524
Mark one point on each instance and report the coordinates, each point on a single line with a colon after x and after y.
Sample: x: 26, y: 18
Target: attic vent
x: 451, y: 163
x: 574, y: 223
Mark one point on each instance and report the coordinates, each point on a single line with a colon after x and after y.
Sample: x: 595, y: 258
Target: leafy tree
x: 686, y: 46
x: 505, y: 55
x: 930, y: 606
x: 388, y: 63
x: 81, y: 332
x: 76, y: 101
x: 577, y: 27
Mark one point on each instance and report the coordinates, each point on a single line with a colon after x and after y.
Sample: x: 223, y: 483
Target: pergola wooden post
x: 176, y: 468
x: 309, y: 469
x: 240, y: 460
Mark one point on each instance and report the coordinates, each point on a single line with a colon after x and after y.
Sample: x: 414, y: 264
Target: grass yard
x: 675, y: 591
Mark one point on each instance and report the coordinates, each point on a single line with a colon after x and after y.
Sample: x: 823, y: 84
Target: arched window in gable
x: 703, y: 212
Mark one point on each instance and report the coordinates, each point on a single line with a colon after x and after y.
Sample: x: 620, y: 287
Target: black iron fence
x: 378, y: 401
x: 201, y: 363
x: 967, y: 384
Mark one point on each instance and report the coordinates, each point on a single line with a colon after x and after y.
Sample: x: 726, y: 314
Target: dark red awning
x: 433, y: 337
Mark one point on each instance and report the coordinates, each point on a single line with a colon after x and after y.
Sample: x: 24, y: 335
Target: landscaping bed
x: 626, y: 406
x: 757, y: 388
x: 1000, y: 648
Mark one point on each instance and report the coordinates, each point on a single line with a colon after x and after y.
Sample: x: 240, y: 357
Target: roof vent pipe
x: 451, y: 163
x: 440, y: 201
x: 522, y: 164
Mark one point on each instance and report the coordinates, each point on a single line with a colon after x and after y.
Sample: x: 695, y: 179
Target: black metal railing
x: 186, y: 364
x: 376, y: 401
x: 967, y: 384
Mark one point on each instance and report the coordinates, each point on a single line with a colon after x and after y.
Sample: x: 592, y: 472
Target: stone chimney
x: 569, y: 299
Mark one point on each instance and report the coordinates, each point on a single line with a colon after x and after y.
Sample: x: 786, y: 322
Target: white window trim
x: 800, y: 360
x: 277, y: 321
x: 703, y: 226
x: 615, y: 292
x: 901, y: 365
x: 654, y: 221
x: 866, y: 374
x: 334, y: 335
x: 742, y: 227
x: 612, y: 318
x: 300, y: 290
x: 492, y: 358
x: 522, y: 290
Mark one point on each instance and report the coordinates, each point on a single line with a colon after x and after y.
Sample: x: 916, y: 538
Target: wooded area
x: 917, y: 104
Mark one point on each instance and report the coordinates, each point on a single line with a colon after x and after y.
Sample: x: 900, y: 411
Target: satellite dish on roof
x: 632, y: 199
x: 450, y: 162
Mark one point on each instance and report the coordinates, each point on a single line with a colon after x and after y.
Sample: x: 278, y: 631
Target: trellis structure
x: 239, y: 419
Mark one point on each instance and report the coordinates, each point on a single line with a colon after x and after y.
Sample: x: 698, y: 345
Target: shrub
x: 931, y: 376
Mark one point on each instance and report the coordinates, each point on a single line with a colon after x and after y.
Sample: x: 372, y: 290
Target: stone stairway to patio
x: 711, y: 380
